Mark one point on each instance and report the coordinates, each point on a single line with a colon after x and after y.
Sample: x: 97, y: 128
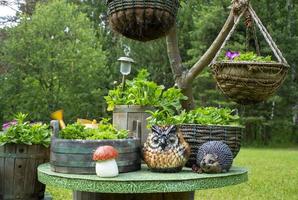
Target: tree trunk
x: 184, y: 78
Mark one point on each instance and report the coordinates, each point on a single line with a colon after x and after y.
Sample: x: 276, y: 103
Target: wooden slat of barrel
x: 8, y: 173
x: 91, y: 143
x: 86, y: 159
x: 2, y: 168
x: 19, y: 173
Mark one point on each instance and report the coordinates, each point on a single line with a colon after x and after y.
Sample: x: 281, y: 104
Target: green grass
x: 273, y: 174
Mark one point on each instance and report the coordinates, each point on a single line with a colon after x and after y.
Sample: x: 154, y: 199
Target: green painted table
x: 140, y: 185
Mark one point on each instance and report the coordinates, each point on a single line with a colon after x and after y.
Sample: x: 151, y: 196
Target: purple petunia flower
x: 232, y: 54
x: 9, y: 124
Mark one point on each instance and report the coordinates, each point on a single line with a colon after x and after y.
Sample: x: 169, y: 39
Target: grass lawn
x: 273, y: 174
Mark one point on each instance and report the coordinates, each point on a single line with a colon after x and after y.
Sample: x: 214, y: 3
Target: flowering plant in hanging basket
x: 248, y: 78
x: 142, y: 20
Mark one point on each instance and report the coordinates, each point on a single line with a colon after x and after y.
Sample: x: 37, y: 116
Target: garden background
x: 65, y: 56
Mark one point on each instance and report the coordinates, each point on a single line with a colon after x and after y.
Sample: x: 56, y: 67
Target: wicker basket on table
x: 196, y: 135
x: 249, y: 82
x: 142, y: 20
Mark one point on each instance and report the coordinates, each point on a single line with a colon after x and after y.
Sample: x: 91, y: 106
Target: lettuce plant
x: 104, y: 131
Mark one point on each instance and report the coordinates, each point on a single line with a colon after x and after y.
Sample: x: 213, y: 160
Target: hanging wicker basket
x: 249, y: 82
x: 142, y: 20
x: 196, y: 135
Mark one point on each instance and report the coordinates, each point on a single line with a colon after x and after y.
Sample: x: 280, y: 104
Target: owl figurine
x: 165, y: 150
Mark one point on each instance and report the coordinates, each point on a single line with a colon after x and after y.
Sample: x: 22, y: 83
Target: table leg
x: 77, y: 195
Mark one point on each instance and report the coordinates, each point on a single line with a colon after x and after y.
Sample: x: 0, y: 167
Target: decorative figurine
x: 213, y: 157
x: 106, y: 165
x: 165, y: 150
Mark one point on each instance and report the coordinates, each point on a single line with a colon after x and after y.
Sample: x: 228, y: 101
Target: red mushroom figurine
x: 106, y: 165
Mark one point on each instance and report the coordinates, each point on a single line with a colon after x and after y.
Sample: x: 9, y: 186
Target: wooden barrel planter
x: 142, y: 20
x: 75, y: 156
x: 18, y: 171
x: 132, y: 118
x: 249, y: 82
x: 196, y: 135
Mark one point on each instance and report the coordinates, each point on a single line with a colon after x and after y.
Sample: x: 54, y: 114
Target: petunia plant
x: 248, y: 56
x: 20, y: 131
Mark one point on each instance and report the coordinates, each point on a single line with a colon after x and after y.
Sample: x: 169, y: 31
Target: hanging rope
x: 227, y: 38
x: 251, y: 33
x: 267, y: 36
x: 263, y: 30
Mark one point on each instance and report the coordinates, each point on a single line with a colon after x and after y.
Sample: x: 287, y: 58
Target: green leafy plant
x: 251, y: 56
x: 203, y: 116
x: 23, y: 132
x: 248, y: 56
x: 141, y: 91
x: 104, y: 131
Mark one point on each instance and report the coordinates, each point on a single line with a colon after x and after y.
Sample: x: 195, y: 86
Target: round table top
x: 142, y: 181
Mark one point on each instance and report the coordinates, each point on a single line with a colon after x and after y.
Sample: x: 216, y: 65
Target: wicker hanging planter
x: 251, y: 82
x: 142, y: 20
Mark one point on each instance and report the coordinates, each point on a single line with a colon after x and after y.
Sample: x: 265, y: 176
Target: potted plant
x: 201, y: 125
x: 142, y: 20
x: 247, y: 78
x: 23, y: 146
x: 72, y: 147
x: 141, y: 95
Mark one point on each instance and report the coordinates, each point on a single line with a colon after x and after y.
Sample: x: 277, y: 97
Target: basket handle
x: 55, y: 127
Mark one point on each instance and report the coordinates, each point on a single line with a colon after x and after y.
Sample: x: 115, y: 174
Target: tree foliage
x: 45, y: 73
x: 55, y: 61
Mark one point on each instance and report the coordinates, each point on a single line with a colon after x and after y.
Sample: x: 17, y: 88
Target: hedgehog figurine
x: 213, y: 157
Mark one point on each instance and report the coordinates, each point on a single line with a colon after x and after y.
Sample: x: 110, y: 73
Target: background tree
x: 54, y: 61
